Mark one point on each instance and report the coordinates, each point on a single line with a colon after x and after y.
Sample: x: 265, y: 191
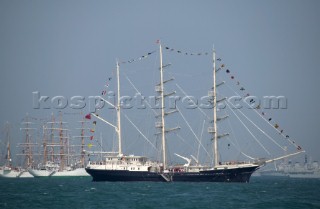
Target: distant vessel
x: 56, y: 162
x: 295, y: 170
x: 8, y: 170
x: 273, y: 173
x: 121, y: 167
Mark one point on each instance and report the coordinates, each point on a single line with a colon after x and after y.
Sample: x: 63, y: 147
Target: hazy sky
x: 69, y: 48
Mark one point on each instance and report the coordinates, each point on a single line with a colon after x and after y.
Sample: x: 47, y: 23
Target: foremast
x: 117, y: 127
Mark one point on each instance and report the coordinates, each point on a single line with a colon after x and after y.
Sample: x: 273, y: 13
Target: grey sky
x: 69, y: 48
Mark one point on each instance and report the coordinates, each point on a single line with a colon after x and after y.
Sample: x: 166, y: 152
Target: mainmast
x: 213, y: 130
x: 164, y: 159
x: 161, y: 124
x: 119, y: 111
x: 215, y: 143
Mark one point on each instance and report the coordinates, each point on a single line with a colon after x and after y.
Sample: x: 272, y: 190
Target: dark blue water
x: 62, y: 193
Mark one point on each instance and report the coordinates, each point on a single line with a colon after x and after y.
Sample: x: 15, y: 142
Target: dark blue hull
x: 226, y: 175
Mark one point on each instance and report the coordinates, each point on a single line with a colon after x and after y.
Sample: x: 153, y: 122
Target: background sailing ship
x: 18, y: 169
x: 289, y: 168
x: 58, y: 156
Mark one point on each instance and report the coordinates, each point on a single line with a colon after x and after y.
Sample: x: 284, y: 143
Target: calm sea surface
x: 58, y: 193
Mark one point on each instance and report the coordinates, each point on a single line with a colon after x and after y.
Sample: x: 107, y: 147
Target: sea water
x: 69, y: 192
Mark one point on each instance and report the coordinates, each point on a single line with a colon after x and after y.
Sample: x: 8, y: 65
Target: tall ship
x: 57, y: 157
x: 123, y: 167
x: 9, y: 170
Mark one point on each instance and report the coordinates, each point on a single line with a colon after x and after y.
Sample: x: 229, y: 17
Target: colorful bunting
x: 186, y: 53
x: 269, y: 119
x: 88, y: 116
x: 139, y: 58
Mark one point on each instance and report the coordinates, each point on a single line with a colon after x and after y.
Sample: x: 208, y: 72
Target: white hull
x: 75, y: 172
x: 65, y: 173
x: 40, y: 173
x: 15, y: 174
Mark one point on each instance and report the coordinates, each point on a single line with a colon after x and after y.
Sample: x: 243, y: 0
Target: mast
x: 117, y: 127
x: 215, y: 133
x: 164, y: 159
x: 28, y: 141
x: 45, y: 151
x: 101, y: 146
x: 27, y: 145
x: 119, y: 111
x: 82, y: 144
x: 61, y: 144
x: 52, y: 138
x: 82, y: 138
x: 67, y: 142
x: 8, y: 157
